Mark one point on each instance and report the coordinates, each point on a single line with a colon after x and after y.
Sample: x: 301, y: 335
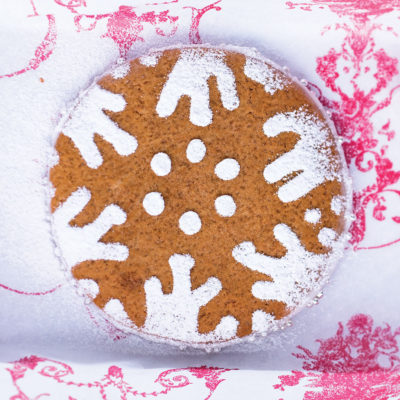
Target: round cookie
x: 200, y: 195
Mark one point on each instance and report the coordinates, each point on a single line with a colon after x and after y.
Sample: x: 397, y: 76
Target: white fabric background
x: 57, y: 325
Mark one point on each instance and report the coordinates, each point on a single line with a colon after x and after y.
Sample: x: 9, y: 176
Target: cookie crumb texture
x: 201, y: 194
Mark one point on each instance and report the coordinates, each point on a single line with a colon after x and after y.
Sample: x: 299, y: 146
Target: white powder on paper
x: 88, y: 287
x: 306, y: 156
x: 189, y: 77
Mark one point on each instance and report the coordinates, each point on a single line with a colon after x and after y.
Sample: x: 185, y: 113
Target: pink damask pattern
x: 123, y: 26
x: 113, y: 381
x: 368, y: 71
x: 360, y: 362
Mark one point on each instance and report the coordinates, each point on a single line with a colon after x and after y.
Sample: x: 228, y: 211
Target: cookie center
x: 190, y: 221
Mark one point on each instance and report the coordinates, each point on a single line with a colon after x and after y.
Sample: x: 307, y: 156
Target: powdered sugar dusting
x: 88, y: 287
x: 311, y: 155
x: 150, y: 60
x: 295, y: 275
x: 337, y: 204
x: 82, y: 244
x: 153, y: 203
x: 115, y: 309
x: 196, y: 151
x: 225, y: 205
x: 327, y: 236
x: 189, y: 77
x: 161, y: 164
x: 261, y: 72
x: 176, y: 314
x: 190, y: 222
x: 227, y: 169
x: 312, y: 215
x: 121, y: 69
x: 88, y: 118
x: 263, y: 322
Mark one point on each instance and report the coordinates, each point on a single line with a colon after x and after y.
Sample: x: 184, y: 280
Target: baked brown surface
x: 125, y: 180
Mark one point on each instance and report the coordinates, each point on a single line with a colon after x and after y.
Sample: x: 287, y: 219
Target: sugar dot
x: 195, y: 151
x: 225, y: 205
x: 161, y: 164
x: 312, y: 215
x: 227, y: 169
x: 153, y: 203
x: 190, y: 222
x: 327, y: 236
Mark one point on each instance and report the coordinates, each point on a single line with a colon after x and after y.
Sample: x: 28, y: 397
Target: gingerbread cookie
x: 200, y: 195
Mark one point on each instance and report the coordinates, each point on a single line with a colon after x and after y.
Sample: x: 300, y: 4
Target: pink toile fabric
x: 345, y: 347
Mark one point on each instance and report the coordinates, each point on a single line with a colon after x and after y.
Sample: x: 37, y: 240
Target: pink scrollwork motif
x: 211, y: 375
x: 369, y: 71
x: 42, y: 293
x: 64, y: 376
x: 123, y: 26
x: 43, y: 51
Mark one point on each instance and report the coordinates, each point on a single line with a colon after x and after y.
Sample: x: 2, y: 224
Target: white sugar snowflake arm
x: 306, y: 156
x: 177, y: 313
x: 260, y: 72
x: 88, y: 118
x: 294, y: 275
x: 190, y: 77
x: 181, y: 266
x: 82, y: 244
